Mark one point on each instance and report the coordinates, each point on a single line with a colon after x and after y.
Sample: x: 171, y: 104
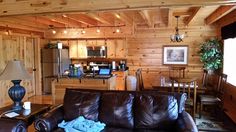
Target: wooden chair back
x: 139, y: 77
x: 220, y: 86
x: 189, y: 86
x: 176, y: 71
x: 204, y: 78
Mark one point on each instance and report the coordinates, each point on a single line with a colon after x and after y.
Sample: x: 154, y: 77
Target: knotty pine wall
x: 144, y: 50
x: 20, y: 47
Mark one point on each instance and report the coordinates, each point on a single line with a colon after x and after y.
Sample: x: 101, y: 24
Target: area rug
x: 206, y: 124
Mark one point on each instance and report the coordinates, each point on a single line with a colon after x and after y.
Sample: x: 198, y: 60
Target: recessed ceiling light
x: 65, y: 31
x: 118, y: 16
x: 98, y: 30
x: 117, y: 30
x: 54, y: 32
x: 83, y: 31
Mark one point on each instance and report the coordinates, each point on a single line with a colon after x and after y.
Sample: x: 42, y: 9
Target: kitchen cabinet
x: 77, y: 49
x: 116, y: 48
x: 120, y: 79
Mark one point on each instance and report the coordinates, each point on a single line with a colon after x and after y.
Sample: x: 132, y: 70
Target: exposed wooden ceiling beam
x: 98, y: 18
x: 24, y: 23
x: 230, y: 17
x: 123, y: 17
x: 194, y: 11
x: 63, y: 2
x: 43, y: 20
x: 219, y: 13
x: 146, y: 16
x: 67, y: 21
x: 55, y: 6
x: 182, y: 13
x: 22, y: 27
x: 82, y: 19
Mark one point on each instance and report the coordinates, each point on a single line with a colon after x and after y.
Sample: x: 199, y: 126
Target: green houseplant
x: 211, y: 54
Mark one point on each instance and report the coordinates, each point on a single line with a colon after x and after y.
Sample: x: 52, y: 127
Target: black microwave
x: 97, y: 51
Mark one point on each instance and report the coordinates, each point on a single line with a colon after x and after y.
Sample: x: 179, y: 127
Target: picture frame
x: 175, y: 54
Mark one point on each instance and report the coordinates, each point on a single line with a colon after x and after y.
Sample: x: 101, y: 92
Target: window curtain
x: 228, y: 31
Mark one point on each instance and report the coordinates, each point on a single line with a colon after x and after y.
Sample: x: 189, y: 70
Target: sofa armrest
x: 9, y: 125
x: 49, y: 120
x: 185, y: 123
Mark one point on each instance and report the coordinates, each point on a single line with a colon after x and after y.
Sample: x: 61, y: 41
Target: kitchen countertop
x: 90, y: 76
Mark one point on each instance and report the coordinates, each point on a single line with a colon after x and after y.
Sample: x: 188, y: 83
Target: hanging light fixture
x: 177, y: 37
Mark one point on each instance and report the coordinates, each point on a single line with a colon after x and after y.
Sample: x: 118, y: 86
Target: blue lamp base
x: 16, y: 93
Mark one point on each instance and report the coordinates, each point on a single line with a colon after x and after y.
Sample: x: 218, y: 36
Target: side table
x: 28, y: 116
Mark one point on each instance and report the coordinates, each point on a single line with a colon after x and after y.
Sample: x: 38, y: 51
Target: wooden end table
x: 28, y: 116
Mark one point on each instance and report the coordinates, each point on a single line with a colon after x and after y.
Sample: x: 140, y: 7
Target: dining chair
x: 215, y: 97
x: 189, y: 86
x: 139, y: 77
x: 204, y: 78
x: 176, y: 71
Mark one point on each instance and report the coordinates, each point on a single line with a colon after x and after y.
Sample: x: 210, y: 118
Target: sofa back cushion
x: 81, y: 103
x: 116, y: 109
x: 155, y: 111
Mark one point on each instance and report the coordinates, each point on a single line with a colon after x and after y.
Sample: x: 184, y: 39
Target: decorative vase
x: 210, y: 71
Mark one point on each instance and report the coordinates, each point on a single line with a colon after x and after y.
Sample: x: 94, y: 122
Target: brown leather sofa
x: 122, y: 111
x: 10, y: 125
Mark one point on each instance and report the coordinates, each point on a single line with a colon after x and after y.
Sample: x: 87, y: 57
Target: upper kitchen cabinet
x: 77, y: 49
x: 116, y: 48
x: 96, y: 43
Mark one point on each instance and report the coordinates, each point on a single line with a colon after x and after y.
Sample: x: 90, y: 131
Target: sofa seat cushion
x: 116, y: 129
x: 78, y: 103
x: 116, y: 109
x: 155, y: 111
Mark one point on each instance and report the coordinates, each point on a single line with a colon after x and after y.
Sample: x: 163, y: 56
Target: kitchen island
x: 86, y: 82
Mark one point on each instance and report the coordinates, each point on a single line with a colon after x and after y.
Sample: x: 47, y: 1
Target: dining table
x: 165, y: 84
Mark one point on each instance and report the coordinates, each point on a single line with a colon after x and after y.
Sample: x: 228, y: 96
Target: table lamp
x: 15, y: 71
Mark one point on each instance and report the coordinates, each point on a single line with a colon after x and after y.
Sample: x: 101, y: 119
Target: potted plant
x: 211, y: 55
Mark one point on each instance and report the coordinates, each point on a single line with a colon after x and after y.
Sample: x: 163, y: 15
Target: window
x: 229, y: 60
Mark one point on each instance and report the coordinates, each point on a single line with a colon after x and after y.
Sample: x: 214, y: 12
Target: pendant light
x: 177, y: 37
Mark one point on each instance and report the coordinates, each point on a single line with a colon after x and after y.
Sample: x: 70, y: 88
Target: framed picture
x: 175, y: 55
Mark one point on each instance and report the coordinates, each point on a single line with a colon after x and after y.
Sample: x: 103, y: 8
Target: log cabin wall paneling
x: 144, y: 50
x: 22, y: 48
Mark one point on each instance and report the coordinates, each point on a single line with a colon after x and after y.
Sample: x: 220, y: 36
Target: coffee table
x: 28, y: 116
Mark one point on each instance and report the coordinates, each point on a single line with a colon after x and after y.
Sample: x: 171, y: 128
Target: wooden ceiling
x: 41, y: 15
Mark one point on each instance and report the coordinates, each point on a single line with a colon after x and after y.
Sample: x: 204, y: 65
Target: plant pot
x: 210, y: 72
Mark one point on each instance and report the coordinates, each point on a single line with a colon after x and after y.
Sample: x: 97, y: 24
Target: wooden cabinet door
x: 120, y: 79
x: 77, y: 49
x: 73, y: 49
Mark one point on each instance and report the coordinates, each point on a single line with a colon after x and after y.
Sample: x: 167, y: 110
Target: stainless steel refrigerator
x: 50, y: 66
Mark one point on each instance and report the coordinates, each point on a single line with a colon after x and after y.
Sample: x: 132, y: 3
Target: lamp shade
x: 14, y: 70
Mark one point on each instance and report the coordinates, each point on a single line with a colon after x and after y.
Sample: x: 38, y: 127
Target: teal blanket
x: 81, y: 124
